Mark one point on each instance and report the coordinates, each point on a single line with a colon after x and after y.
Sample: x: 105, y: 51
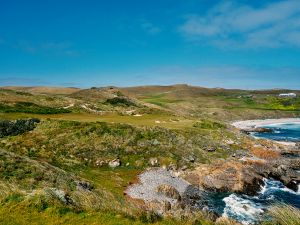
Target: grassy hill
x: 59, y: 172
x: 44, y: 90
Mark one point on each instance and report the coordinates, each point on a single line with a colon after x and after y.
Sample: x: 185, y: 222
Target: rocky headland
x: 170, y: 190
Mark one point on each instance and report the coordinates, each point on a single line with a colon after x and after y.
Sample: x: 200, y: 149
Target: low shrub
x: 8, y: 128
x: 208, y: 124
x: 120, y: 101
x: 28, y: 107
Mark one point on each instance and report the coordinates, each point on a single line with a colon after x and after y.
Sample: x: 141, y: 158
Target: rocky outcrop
x: 257, y: 130
x: 168, y: 191
x: 60, y: 195
x: 226, y: 176
x: 244, y: 173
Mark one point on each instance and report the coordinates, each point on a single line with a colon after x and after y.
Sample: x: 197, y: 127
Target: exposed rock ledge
x: 226, y: 176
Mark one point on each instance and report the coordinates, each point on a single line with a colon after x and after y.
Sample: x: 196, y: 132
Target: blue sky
x: 231, y: 44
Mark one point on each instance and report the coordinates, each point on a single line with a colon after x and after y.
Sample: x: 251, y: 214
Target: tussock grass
x: 265, y: 153
x: 285, y: 215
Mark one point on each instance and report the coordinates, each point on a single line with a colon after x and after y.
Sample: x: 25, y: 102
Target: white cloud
x: 235, y: 25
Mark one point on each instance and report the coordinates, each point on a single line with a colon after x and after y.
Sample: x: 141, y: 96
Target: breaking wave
x: 252, y: 209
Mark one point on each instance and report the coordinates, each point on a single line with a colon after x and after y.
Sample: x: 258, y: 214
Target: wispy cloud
x: 229, y: 24
x: 57, y: 48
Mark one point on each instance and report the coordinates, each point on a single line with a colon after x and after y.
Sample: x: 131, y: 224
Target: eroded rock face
x: 168, y: 191
x: 226, y: 176
x: 245, y: 174
x: 286, y: 171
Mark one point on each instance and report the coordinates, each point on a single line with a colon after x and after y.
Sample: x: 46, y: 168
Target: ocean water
x: 289, y: 132
x: 252, y: 209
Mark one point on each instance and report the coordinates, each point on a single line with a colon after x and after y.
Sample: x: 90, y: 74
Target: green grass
x: 159, y: 100
x: 36, y: 210
x: 28, y: 107
x: 209, y: 124
x: 263, y: 103
x: 165, y: 120
x: 65, y: 147
x: 115, y: 180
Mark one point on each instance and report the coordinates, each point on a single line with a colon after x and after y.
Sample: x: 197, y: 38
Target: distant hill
x: 178, y: 91
x: 44, y: 90
x: 97, y: 94
x: 182, y: 91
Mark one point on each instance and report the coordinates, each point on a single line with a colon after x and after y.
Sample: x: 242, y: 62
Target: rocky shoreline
x: 167, y: 191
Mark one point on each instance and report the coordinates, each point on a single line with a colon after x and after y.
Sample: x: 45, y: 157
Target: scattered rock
x: 153, y: 161
x: 172, y: 167
x: 210, y: 149
x: 191, y: 159
x: 100, y: 162
x: 114, y: 163
x: 229, y: 142
x: 184, y: 168
x: 84, y: 185
x: 61, y: 195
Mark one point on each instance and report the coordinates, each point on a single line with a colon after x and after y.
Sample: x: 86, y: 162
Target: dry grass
x: 167, y: 121
x: 285, y: 215
x: 226, y: 221
x: 45, y: 90
x: 265, y: 153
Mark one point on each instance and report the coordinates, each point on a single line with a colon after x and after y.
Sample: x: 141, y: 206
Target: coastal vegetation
x: 73, y: 164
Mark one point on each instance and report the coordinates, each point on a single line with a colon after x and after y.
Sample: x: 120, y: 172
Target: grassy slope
x: 75, y: 147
